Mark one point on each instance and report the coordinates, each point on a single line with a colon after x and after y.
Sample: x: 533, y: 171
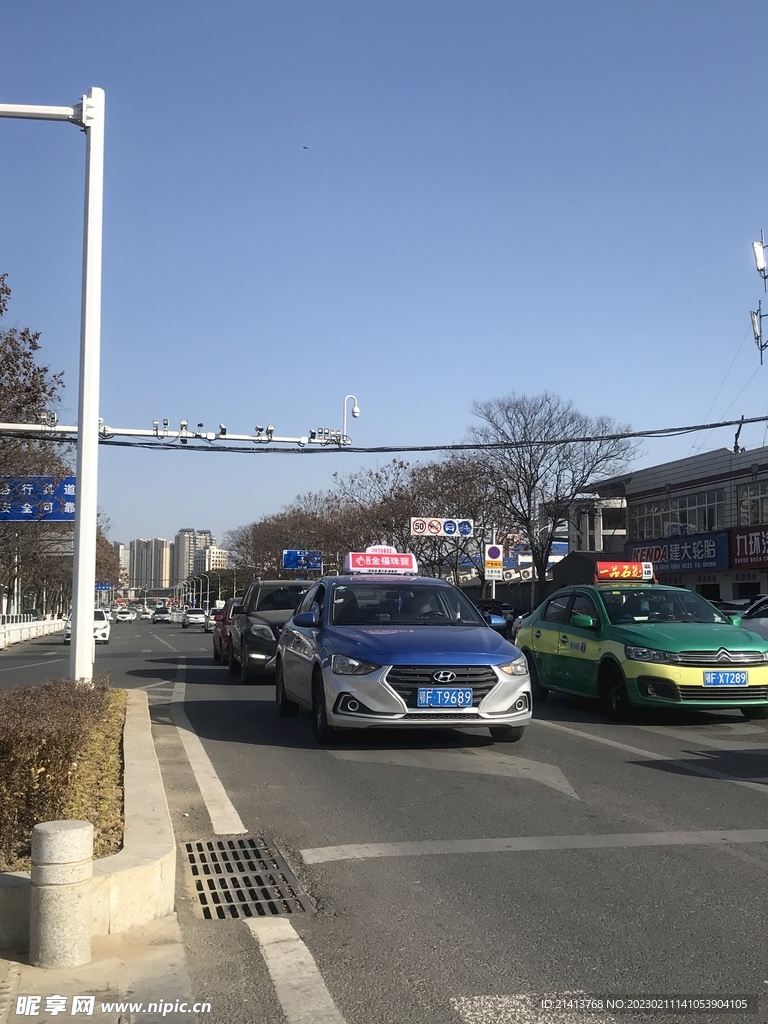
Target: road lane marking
x: 224, y: 818
x: 30, y: 664
x: 524, y: 844
x: 696, y: 738
x: 651, y: 755
x: 481, y: 762
x: 298, y: 983
x: 164, y: 642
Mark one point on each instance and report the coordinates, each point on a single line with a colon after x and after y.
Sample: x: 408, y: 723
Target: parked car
x: 210, y: 618
x: 755, y: 617
x: 161, y: 615
x: 221, y: 624
x: 101, y: 627
x: 192, y: 617
x: 257, y: 620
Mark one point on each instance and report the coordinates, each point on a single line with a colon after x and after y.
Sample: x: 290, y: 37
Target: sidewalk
x: 145, y: 965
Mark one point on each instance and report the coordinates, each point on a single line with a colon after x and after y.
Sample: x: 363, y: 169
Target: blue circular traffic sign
x: 465, y: 527
x: 449, y: 527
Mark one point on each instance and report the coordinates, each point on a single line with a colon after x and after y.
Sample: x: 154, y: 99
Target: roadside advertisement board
x: 749, y: 547
x: 692, y: 553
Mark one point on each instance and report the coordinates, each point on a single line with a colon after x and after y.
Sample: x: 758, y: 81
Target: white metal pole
x: 82, y: 651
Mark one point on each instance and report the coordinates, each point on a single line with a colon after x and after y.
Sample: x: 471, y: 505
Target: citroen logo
x: 723, y: 655
x: 444, y: 677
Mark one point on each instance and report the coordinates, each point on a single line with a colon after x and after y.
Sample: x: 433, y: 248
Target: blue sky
x: 494, y: 197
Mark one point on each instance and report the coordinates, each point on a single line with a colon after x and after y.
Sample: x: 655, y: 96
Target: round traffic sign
x: 418, y: 525
x: 493, y: 552
x: 449, y: 527
x: 465, y: 527
x: 434, y: 526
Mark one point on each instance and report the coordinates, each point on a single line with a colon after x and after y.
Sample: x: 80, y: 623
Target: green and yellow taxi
x: 637, y: 644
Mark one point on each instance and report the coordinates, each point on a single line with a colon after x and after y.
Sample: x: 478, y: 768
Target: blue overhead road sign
x: 37, y: 499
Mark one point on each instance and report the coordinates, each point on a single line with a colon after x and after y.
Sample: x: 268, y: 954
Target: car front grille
x: 721, y: 658
x: 742, y: 694
x: 406, y: 680
x: 425, y: 716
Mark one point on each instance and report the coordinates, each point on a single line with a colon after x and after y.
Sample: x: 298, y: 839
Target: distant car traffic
x: 192, y: 617
x: 101, y: 627
x: 123, y: 615
x: 366, y: 651
x: 210, y: 618
x: 145, y: 613
x: 221, y: 625
x: 161, y: 615
x: 257, y: 620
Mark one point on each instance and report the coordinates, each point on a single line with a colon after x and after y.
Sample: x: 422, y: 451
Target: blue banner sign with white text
x: 299, y: 559
x: 37, y: 499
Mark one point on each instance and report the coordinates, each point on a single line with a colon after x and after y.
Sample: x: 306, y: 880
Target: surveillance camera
x: 222, y: 429
x: 199, y: 426
x: 184, y: 424
x: 356, y: 411
x: 165, y: 424
x: 259, y: 430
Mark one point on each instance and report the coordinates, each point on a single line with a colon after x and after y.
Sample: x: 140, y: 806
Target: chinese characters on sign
x: 37, y: 499
x: 624, y: 570
x: 380, y: 558
x: 749, y: 547
x: 692, y: 553
x: 32, y: 1006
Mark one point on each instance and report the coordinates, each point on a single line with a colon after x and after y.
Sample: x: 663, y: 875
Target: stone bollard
x: 60, y: 904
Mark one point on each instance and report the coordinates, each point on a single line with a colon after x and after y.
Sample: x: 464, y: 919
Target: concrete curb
x: 132, y: 887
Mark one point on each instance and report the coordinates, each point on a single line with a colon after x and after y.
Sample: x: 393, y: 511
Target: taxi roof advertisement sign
x: 614, y: 571
x: 691, y: 553
x: 381, y: 558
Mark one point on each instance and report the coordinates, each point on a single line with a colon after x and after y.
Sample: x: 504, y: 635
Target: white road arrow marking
x: 481, y: 762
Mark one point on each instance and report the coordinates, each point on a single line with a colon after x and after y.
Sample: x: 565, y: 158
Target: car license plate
x: 725, y: 678
x: 444, y: 697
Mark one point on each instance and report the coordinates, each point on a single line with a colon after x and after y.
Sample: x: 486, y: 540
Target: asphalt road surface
x: 452, y: 879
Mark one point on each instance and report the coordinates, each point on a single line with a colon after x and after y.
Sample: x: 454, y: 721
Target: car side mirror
x: 497, y: 622
x: 239, y: 609
x: 735, y: 619
x: 307, y: 619
x: 583, y: 621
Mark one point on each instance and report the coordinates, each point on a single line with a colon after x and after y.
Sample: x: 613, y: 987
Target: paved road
x: 458, y: 880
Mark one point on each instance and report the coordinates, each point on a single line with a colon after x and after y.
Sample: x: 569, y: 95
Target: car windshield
x: 649, y: 605
x: 99, y: 616
x: 366, y: 604
x: 279, y: 599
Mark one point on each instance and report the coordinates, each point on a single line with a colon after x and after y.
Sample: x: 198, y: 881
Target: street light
x: 207, y: 590
x: 355, y: 413
x: 88, y: 115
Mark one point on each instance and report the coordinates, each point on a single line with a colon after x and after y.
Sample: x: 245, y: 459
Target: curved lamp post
x: 355, y: 413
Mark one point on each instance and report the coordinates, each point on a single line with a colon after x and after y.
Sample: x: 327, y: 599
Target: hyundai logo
x: 444, y: 677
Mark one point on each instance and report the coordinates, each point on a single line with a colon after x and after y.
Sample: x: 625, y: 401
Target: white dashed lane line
x: 30, y: 664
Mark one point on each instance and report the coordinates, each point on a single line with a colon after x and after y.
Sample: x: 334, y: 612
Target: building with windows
x: 149, y: 564
x: 210, y: 557
x: 702, y: 521
x: 598, y: 524
x: 185, y: 545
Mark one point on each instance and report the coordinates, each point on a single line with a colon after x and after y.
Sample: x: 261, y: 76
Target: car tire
x: 614, y: 699
x: 538, y: 692
x: 285, y: 708
x: 216, y: 655
x: 754, y: 713
x: 507, y: 733
x: 233, y: 664
x: 324, y: 733
x: 183, y: 625
x: 246, y: 676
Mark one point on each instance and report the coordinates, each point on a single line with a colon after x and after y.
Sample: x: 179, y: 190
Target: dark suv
x: 257, y: 621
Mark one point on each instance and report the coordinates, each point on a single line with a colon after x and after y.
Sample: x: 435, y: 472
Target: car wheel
x: 183, y: 625
x: 285, y: 708
x: 233, y: 664
x: 538, y: 692
x: 216, y: 655
x: 613, y: 695
x: 507, y: 733
x: 754, y: 712
x: 324, y: 733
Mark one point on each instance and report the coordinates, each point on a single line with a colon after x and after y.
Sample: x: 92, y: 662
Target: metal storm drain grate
x: 243, y: 877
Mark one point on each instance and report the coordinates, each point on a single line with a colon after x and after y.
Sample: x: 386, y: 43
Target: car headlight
x: 649, y: 654
x: 516, y: 667
x: 344, y: 666
x: 260, y: 631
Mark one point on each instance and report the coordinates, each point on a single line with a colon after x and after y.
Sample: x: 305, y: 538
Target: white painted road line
x: 482, y: 762
x: 523, y: 844
x: 224, y: 818
x: 298, y: 983
x: 30, y: 664
x: 164, y: 642
x: 650, y: 755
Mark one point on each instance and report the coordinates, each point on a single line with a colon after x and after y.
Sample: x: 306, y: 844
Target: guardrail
x: 16, y: 632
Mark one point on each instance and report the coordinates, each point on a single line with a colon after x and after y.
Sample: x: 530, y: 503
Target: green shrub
x: 50, y: 740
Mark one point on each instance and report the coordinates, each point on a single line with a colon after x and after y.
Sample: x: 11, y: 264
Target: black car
x: 256, y: 624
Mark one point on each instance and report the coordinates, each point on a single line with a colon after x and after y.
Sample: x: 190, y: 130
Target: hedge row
x: 60, y: 758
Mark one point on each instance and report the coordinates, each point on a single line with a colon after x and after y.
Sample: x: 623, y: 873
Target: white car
x: 755, y: 618
x: 193, y: 617
x: 122, y: 615
x: 146, y: 614
x: 101, y: 627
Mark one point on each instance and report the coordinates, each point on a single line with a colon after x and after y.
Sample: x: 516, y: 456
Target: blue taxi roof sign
x: 382, y: 559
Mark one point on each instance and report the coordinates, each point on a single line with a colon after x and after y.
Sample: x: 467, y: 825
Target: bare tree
x: 558, y: 454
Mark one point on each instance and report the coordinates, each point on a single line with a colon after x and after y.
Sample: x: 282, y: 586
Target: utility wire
x: 722, y: 385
